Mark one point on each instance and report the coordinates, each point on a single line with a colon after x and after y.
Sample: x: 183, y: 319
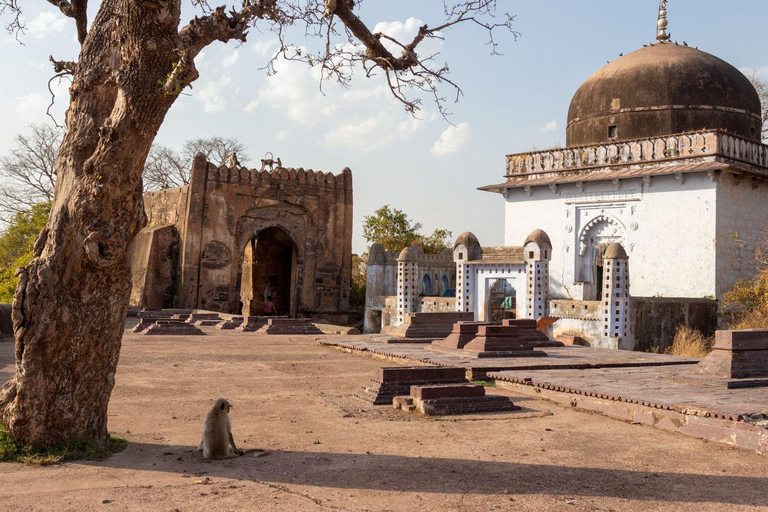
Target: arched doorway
x: 426, y: 286
x: 502, y: 301
x: 267, y: 272
x: 596, y: 236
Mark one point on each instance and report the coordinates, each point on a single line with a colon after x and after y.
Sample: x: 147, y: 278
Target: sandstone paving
x: 331, y: 451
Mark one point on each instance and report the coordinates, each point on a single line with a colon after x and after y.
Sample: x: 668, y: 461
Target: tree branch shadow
x: 381, y: 472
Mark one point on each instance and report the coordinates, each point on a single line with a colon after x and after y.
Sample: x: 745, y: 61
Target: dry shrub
x: 689, y: 342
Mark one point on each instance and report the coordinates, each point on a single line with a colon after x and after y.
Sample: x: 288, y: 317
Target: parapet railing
x: 695, y: 145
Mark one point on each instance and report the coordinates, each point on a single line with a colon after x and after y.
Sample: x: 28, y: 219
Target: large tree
x: 135, y: 59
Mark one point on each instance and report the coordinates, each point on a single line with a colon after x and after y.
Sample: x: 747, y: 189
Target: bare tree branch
x: 29, y: 170
x: 761, y: 86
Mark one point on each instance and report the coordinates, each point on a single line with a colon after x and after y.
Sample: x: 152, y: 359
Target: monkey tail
x: 256, y: 451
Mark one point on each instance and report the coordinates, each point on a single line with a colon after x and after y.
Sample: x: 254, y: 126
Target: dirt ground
x: 331, y: 451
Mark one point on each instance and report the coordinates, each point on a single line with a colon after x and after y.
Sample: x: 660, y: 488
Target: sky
x: 426, y: 166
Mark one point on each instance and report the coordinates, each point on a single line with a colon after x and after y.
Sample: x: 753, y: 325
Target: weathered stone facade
x: 234, y: 236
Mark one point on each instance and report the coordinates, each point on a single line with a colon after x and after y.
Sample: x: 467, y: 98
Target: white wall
x: 742, y: 226
x: 667, y: 228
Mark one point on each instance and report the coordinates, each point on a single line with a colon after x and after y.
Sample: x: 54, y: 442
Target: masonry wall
x: 223, y: 209
x: 655, y: 319
x: 742, y: 228
x: 667, y: 227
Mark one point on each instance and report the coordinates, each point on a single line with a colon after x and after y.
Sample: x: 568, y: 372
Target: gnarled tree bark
x: 71, y: 300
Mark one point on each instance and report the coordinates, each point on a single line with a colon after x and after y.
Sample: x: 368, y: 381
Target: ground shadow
x: 444, y: 475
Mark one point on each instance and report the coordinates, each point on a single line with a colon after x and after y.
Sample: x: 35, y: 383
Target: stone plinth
x: 153, y: 313
x: 462, y: 333
x: 536, y: 330
x: 252, y: 323
x: 390, y: 382
x: 204, y: 319
x: 443, y: 399
x: 429, y: 325
x: 172, y: 327
x: 739, y: 357
x: 504, y: 341
x: 145, y: 323
x: 289, y: 326
x: 232, y: 323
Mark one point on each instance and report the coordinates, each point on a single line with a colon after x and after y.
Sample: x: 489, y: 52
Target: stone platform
x: 441, y: 399
x: 655, y: 396
x: 428, y: 325
x: 568, y: 357
x: 232, y: 323
x: 280, y: 325
x: 254, y: 323
x: 172, y: 327
x: 390, y: 382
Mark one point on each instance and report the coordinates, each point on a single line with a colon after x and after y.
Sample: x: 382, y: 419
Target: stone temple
x: 235, y: 236
x: 664, y: 158
x: 653, y: 211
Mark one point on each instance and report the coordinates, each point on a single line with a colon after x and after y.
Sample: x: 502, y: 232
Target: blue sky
x: 426, y: 167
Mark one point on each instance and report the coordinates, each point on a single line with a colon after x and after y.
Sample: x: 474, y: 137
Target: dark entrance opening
x: 267, y: 271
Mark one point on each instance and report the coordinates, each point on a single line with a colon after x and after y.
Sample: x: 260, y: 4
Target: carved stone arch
x: 292, y: 219
x: 592, y: 224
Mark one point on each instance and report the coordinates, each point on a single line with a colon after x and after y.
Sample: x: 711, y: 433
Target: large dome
x: 663, y: 89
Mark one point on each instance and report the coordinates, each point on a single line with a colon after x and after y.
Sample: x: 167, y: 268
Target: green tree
x: 16, y: 245
x: 395, y: 231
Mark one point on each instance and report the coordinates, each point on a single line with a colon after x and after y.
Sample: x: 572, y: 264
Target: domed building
x: 663, y: 157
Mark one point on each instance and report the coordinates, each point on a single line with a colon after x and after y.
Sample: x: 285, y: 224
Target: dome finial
x: 662, y: 24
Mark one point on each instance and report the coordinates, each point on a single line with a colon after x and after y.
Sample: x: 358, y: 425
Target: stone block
x: 737, y: 355
x: 506, y: 341
x: 232, y: 323
x: 569, y: 339
x: 172, y: 327
x: 429, y: 325
x: 750, y: 339
x: 404, y: 403
x: 462, y: 333
x: 465, y: 405
x: 390, y: 382
x: 446, y: 391
x: 292, y: 326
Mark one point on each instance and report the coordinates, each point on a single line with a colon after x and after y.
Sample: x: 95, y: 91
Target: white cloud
x: 31, y: 105
x: 405, y: 32
x: 47, y: 22
x: 761, y: 72
x: 282, y: 135
x: 551, y: 126
x: 214, y: 94
x: 231, y: 59
x: 252, y: 106
x: 264, y: 48
x: 451, y: 140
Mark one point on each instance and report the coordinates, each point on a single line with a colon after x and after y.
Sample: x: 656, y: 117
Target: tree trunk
x: 71, y: 300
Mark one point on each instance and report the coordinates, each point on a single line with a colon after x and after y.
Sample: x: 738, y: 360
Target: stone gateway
x: 234, y: 237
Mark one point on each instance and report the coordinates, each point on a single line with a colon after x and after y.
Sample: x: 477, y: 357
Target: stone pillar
x: 466, y: 248
x: 408, y: 284
x: 615, y: 299
x: 464, y: 287
x: 537, y: 251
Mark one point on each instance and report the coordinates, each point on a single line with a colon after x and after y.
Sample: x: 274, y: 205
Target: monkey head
x: 222, y: 405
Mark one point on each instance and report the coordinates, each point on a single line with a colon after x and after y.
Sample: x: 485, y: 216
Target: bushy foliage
x: 690, y: 342
x: 395, y: 231
x: 16, y: 246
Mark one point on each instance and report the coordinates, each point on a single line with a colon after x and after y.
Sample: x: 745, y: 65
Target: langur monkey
x: 217, y: 441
